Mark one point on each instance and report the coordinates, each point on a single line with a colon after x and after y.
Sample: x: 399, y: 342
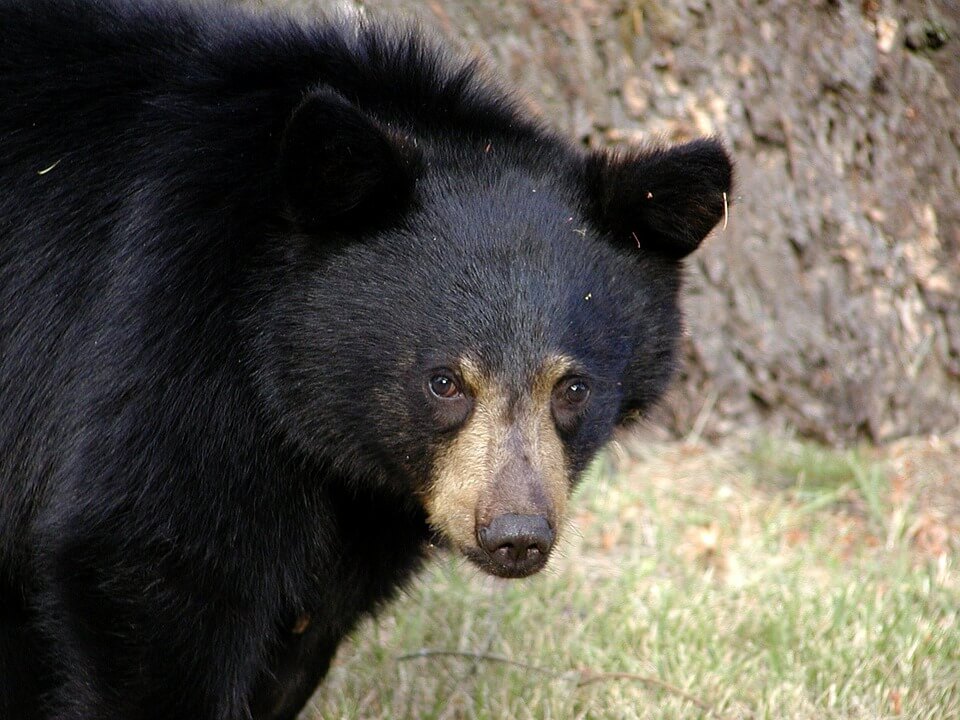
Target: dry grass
x: 765, y: 579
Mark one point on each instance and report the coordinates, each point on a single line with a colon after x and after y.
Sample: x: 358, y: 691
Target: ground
x: 769, y: 578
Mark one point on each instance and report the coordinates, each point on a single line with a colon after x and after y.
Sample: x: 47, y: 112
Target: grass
x: 767, y: 579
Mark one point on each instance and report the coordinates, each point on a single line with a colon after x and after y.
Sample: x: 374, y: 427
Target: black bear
x: 282, y: 303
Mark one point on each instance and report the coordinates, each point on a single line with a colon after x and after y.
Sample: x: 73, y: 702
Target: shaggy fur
x: 232, y: 250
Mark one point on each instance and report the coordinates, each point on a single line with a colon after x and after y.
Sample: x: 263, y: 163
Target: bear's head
x: 470, y: 308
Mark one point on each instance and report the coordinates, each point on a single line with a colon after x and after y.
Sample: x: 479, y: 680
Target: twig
x: 588, y: 678
x: 584, y: 677
x: 701, y: 422
x: 480, y: 656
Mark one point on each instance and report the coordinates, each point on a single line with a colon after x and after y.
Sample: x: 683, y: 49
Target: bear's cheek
x: 504, y: 461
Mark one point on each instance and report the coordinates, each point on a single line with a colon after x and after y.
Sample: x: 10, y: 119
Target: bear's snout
x: 516, y: 545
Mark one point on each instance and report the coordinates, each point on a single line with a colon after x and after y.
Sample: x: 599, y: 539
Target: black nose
x: 517, y: 545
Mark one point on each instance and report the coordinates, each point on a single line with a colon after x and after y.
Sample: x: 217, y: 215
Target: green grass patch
x: 693, y: 583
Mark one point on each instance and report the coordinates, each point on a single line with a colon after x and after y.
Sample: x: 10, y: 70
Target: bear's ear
x: 665, y: 199
x: 339, y: 165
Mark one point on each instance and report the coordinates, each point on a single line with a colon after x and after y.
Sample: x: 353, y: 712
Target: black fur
x: 230, y: 249
x: 671, y: 198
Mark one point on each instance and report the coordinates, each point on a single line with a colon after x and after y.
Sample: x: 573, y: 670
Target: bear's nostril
x: 517, y: 542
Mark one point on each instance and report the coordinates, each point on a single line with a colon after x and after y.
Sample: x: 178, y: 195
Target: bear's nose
x: 518, y: 545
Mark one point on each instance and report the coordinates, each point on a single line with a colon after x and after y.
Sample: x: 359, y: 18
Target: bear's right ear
x: 339, y: 165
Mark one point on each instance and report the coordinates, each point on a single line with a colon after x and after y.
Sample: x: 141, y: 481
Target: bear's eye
x: 574, y: 392
x: 569, y: 398
x: 444, y: 387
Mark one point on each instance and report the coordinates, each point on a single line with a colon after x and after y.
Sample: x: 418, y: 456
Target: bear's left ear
x: 339, y: 165
x: 664, y: 199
